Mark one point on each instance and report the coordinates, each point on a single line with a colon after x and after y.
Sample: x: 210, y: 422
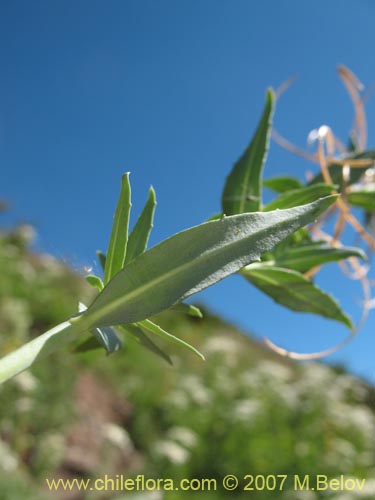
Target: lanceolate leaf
x: 291, y: 289
x: 299, y: 196
x: 142, y: 339
x: 193, y: 260
x: 157, y: 330
x: 119, y: 237
x: 242, y: 190
x: 282, y: 184
x: 363, y: 197
x: 304, y: 257
x: 139, y: 236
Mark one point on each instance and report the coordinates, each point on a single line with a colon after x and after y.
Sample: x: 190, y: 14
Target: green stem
x: 38, y: 348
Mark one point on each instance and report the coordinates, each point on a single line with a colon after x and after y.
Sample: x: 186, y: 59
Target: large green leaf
x: 363, y: 197
x: 336, y: 171
x: 138, y: 238
x: 304, y: 257
x: 300, y: 196
x: 291, y: 289
x: 242, y: 190
x: 193, y: 260
x: 115, y: 257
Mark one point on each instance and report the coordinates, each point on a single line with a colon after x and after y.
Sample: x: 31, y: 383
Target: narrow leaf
x: 188, y: 309
x: 282, y: 184
x: 193, y: 260
x: 95, y: 281
x: 292, y: 290
x: 119, y: 237
x: 242, y: 190
x: 141, y: 338
x: 101, y: 258
x: 299, y: 196
x: 157, y: 330
x: 139, y: 236
x: 305, y: 257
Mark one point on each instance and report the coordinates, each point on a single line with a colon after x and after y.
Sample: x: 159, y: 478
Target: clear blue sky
x: 171, y: 90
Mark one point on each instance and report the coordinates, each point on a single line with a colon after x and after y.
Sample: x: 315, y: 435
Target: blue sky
x: 171, y: 90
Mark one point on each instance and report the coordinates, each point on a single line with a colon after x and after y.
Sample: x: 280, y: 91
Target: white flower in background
x: 184, y: 436
x: 178, y: 399
x: 220, y: 344
x: 342, y: 452
x: 24, y: 405
x: 362, y: 418
x: 172, y: 451
x: 246, y: 409
x: 224, y: 382
x: 118, y: 436
x: 250, y: 379
x: 8, y: 460
x: 289, y: 396
x: 274, y: 372
x: 52, y: 448
x: 196, y: 390
x: 26, y: 381
x: 316, y: 375
x: 351, y: 385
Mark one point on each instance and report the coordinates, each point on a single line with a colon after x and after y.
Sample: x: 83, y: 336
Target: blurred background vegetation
x: 243, y: 411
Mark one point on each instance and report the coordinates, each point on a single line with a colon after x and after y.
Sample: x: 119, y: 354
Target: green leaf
x: 141, y: 338
x: 193, y: 260
x: 157, y: 330
x: 38, y: 348
x: 139, y: 236
x: 299, y: 196
x: 292, y: 290
x: 106, y: 337
x: 119, y: 237
x: 336, y: 171
x: 305, y: 257
x: 188, y: 309
x: 363, y: 197
x: 282, y: 184
x: 95, y: 281
x: 242, y: 190
x: 101, y: 258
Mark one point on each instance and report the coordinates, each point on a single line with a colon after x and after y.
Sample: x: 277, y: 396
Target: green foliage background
x: 243, y: 411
